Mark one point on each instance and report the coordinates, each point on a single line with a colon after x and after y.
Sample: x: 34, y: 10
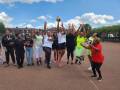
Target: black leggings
x: 96, y: 67
x: 47, y: 55
x: 70, y: 52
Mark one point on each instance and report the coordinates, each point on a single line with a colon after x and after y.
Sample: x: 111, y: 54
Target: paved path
x: 69, y: 77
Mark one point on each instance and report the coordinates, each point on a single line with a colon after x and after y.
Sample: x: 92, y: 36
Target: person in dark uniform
x: 19, y: 50
x: 8, y: 44
x: 70, y: 44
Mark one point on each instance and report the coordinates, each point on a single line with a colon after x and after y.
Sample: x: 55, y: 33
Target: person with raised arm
x: 48, y: 41
x: 61, y: 42
x: 70, y: 44
x: 55, y: 46
x: 80, y: 38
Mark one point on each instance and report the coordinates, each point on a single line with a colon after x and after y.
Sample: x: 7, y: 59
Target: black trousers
x: 20, y: 59
x: 47, y: 51
x: 96, y: 68
x: 70, y: 52
x: 8, y: 53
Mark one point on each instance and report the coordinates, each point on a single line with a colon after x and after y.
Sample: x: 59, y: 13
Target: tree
x: 108, y: 29
x: 88, y: 28
x: 2, y: 27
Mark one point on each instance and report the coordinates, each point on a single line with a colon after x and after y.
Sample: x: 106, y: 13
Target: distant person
x: 8, y: 41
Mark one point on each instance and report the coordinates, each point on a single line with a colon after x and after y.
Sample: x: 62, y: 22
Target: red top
x: 97, y: 55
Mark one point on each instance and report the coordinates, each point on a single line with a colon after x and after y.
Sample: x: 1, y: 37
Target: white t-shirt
x: 46, y: 42
x: 61, y: 38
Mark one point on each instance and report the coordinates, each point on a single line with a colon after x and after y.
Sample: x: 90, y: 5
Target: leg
x: 68, y: 55
x: 48, y: 57
x: 18, y: 60
x: 90, y: 59
x: 7, y: 56
x: 55, y: 52
x: 12, y: 55
x: 94, y: 69
x: 31, y: 55
x: 27, y: 56
x: 22, y: 60
x: 98, y: 66
x: 72, y: 56
x: 45, y: 50
x: 62, y: 53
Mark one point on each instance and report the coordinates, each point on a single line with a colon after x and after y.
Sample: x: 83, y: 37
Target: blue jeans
x: 29, y: 54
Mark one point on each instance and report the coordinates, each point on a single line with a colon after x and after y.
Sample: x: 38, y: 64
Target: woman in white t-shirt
x: 38, y: 47
x: 61, y: 44
x: 47, y: 44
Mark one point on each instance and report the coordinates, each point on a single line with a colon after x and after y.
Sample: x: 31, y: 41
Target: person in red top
x: 97, y: 57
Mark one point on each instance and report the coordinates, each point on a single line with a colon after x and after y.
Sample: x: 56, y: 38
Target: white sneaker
x: 90, y: 68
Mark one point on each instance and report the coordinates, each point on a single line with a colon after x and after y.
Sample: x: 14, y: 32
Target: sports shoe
x: 90, y: 68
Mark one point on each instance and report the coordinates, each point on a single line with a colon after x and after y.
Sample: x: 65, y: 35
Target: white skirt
x: 38, y: 52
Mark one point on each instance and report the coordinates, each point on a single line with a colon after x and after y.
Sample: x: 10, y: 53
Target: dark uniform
x: 19, y: 51
x: 70, y: 44
x: 8, y: 42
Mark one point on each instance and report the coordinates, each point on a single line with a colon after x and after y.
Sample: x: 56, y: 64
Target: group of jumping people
x: 34, y: 46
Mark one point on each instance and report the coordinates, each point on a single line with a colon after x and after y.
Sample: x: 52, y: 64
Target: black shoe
x: 40, y: 62
x: 79, y: 62
x: 49, y: 67
x: 19, y: 67
x: 7, y: 65
x: 82, y: 58
x: 71, y: 63
x: 28, y: 65
x: 76, y: 61
x: 37, y: 63
x: 94, y: 76
x: 67, y: 62
x: 99, y: 78
x: 32, y: 64
x: 4, y: 62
